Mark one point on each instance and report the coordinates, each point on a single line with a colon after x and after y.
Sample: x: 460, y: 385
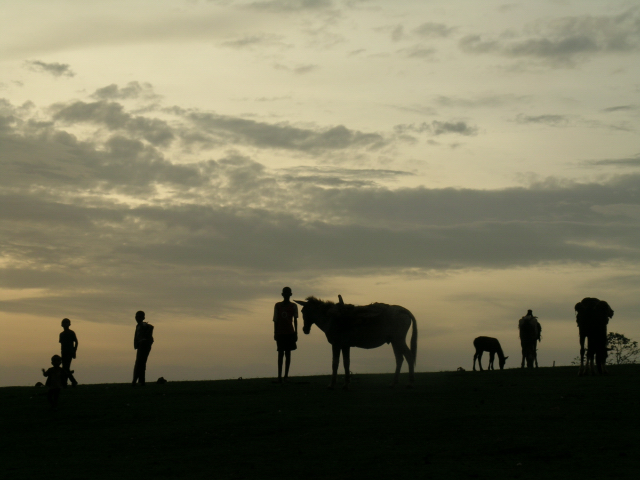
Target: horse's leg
x: 475, y: 355
x: 492, y: 356
x: 523, y: 356
x: 406, y: 351
x: 479, y: 354
x: 346, y: 359
x: 334, y: 365
x: 397, y: 352
x: 535, y: 355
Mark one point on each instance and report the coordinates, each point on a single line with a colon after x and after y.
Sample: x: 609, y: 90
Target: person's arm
x: 135, y: 339
x: 295, y: 321
x: 275, y: 318
x: 44, y: 373
x: 76, y: 343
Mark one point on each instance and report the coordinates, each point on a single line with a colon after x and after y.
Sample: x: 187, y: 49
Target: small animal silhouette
x: 491, y: 345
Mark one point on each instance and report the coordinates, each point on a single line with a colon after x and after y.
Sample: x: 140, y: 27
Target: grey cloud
x: 341, y: 177
x: 254, y: 40
x: 292, y: 5
x: 397, y: 33
x: 620, y: 108
x: 238, y: 130
x: 418, y: 51
x: 618, y: 162
x: 564, y: 41
x: 114, y: 117
x: 131, y: 90
x: 438, y: 128
x: 481, y: 100
x: 107, y: 226
x: 461, y: 128
x: 551, y: 120
x: 433, y: 30
x: 54, y: 68
x: 301, y: 70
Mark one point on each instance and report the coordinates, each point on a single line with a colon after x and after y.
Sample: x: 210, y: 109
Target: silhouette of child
x: 68, y: 346
x: 285, y: 323
x: 142, y: 341
x: 54, y: 380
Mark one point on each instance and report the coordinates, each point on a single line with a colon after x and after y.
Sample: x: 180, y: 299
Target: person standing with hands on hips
x: 285, y: 328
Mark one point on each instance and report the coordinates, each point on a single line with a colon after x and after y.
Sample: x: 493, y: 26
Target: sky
x: 466, y: 160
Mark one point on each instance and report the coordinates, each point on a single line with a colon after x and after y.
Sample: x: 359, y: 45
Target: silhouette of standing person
x: 142, y: 341
x: 68, y: 347
x: 285, y: 325
x: 54, y: 380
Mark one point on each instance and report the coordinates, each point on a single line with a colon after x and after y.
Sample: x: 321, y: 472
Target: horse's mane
x: 318, y: 303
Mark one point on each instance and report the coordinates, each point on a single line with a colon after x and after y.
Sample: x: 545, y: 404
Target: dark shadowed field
x: 542, y: 424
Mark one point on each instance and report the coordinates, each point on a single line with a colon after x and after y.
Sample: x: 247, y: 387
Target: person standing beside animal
x: 54, y: 380
x: 285, y: 331
x: 530, y: 331
x: 142, y: 341
x: 68, y: 347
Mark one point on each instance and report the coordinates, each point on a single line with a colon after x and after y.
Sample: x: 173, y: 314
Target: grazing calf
x: 491, y: 345
x: 530, y: 330
x: 592, y: 317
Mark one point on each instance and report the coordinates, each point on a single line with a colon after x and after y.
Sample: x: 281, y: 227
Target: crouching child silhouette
x: 285, y: 326
x: 142, y: 341
x: 54, y: 380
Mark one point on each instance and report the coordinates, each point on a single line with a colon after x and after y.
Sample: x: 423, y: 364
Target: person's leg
x: 280, y: 357
x: 143, y: 366
x: 142, y: 354
x: 287, y: 363
x: 66, y: 369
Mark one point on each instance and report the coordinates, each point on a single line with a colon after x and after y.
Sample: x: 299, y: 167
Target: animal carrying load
x: 590, y: 308
x: 530, y: 327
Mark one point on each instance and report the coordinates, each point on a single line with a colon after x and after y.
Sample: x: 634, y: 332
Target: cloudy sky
x: 467, y: 160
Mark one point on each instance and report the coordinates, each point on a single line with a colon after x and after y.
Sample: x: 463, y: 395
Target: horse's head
x: 502, y: 361
x: 306, y: 315
x: 313, y: 310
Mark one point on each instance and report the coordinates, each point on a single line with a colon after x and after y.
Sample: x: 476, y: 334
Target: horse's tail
x: 414, y: 339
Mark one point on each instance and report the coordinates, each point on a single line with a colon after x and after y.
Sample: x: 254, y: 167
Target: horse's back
x: 370, y: 326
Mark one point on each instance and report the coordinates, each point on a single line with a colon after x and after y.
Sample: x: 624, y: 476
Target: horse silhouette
x: 368, y: 326
x: 491, y: 345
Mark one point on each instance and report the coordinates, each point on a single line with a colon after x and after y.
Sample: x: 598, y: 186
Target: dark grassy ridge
x: 543, y: 424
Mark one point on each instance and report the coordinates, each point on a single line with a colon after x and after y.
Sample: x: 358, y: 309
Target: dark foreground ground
x: 542, y: 424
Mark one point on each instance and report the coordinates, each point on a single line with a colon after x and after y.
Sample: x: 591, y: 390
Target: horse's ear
x: 300, y: 302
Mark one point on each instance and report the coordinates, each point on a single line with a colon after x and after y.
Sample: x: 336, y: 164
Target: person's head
x: 140, y: 316
x: 530, y: 313
x: 56, y: 360
x: 66, y: 323
x: 286, y: 292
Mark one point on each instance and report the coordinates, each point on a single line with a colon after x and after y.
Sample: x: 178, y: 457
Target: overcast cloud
x: 91, y: 218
